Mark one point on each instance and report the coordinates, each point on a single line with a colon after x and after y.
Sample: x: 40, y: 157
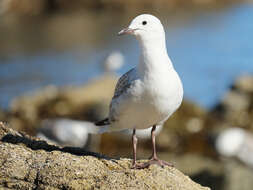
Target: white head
x: 145, y: 27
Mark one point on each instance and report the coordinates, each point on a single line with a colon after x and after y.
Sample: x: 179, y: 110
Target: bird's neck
x: 154, y: 57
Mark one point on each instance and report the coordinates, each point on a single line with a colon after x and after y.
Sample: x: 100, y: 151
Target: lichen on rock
x: 30, y: 163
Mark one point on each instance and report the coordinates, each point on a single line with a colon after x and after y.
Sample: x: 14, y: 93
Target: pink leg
x: 134, y: 142
x: 154, y: 159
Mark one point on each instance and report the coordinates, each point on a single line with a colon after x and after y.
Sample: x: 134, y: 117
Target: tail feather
x: 103, y: 122
x: 104, y: 125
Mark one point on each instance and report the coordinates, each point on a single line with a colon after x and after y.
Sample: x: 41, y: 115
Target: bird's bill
x: 126, y: 31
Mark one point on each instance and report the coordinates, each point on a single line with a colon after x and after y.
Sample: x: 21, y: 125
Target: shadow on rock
x: 43, y: 145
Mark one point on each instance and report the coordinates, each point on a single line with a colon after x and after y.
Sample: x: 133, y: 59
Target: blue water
x: 209, y: 51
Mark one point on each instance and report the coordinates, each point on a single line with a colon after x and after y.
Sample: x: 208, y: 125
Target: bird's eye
x: 144, y: 22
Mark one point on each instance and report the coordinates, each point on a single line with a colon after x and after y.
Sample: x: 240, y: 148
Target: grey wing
x: 123, y: 84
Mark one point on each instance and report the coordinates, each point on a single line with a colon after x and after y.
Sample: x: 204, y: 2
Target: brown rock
x: 237, y: 176
x: 2, y: 115
x: 29, y: 163
x: 235, y: 109
x: 88, y: 102
x: 244, y: 83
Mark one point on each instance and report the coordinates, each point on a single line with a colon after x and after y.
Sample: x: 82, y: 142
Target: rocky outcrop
x: 29, y: 163
x: 235, y: 109
x: 88, y: 102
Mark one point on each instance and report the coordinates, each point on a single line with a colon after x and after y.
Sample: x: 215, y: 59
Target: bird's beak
x: 126, y: 31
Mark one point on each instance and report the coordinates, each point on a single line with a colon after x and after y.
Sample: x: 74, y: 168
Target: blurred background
x: 60, y: 61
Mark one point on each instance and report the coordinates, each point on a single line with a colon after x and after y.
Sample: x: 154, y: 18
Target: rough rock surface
x: 29, y: 163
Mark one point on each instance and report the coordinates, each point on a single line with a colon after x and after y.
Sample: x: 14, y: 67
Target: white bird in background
x: 66, y: 132
x: 113, y: 62
x: 147, y: 95
x: 236, y: 142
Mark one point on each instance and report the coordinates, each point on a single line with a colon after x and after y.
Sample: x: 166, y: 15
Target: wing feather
x: 123, y: 84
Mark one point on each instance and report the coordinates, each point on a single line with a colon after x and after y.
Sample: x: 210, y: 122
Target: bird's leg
x: 154, y: 159
x: 134, y: 142
x: 154, y: 155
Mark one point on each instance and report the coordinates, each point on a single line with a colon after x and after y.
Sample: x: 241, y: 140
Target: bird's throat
x: 153, y: 57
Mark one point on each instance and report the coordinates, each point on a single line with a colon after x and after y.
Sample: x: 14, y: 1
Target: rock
x: 235, y: 109
x: 204, y: 170
x: 236, y: 101
x: 2, y: 115
x: 88, y: 102
x: 237, y: 105
x: 244, y: 83
x: 29, y: 163
x: 237, y: 176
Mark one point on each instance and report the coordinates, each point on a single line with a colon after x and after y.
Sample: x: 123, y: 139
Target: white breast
x: 150, y: 102
x: 164, y: 94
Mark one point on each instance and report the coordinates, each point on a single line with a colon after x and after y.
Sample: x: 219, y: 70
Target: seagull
x: 236, y: 142
x: 63, y: 131
x: 148, y: 94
